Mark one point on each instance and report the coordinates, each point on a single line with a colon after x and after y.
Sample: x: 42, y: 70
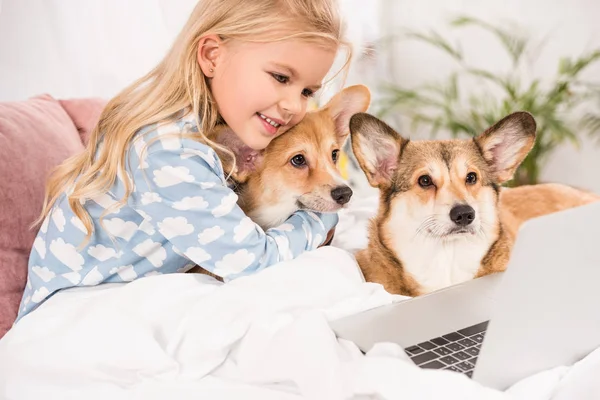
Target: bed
x: 260, y: 337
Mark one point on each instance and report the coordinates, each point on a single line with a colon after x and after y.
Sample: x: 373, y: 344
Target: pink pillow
x: 35, y: 136
x: 85, y: 113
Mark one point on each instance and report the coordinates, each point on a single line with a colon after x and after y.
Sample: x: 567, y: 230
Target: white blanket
x: 260, y: 337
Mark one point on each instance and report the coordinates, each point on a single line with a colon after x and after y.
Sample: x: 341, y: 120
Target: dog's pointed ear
x: 342, y: 106
x: 247, y: 160
x: 377, y: 148
x: 506, y: 144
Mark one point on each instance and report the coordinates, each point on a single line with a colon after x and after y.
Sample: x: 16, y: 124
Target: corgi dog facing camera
x: 443, y: 216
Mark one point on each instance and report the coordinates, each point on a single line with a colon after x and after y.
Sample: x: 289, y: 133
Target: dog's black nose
x: 341, y: 194
x: 462, y: 214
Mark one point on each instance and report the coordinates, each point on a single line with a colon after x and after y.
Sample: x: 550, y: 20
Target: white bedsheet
x: 261, y: 337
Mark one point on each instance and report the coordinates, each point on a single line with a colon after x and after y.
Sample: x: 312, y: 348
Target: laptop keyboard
x: 456, y: 351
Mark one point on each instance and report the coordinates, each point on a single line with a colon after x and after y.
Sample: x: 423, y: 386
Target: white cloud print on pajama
x: 180, y: 212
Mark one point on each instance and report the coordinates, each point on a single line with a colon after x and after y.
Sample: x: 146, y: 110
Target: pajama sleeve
x: 183, y: 194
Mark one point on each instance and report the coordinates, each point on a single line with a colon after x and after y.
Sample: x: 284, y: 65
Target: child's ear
x: 247, y: 160
x: 210, y: 48
x: 506, y: 144
x: 377, y: 148
x: 350, y: 101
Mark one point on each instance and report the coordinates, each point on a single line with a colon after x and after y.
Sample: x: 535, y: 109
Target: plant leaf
x: 435, y: 39
x: 513, y: 43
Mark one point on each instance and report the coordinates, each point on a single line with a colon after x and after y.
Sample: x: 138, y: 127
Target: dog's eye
x: 471, y: 178
x: 298, y: 160
x: 425, y: 181
x: 335, y: 155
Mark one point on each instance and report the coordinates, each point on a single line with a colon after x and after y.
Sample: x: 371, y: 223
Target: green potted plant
x: 561, y: 106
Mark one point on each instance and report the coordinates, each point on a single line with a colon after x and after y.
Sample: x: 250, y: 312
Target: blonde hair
x: 178, y: 83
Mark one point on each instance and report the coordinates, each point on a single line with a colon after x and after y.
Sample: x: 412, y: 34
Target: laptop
x: 540, y: 313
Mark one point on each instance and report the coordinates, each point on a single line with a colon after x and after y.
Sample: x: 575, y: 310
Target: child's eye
x: 308, y: 93
x: 280, y: 78
x: 283, y: 79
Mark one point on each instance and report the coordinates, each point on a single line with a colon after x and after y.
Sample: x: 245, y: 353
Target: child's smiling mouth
x: 271, y: 125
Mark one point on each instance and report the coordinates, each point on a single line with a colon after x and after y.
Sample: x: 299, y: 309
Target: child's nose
x: 292, y: 104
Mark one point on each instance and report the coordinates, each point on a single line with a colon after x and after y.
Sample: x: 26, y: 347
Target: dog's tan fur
x: 519, y: 204
x: 412, y: 246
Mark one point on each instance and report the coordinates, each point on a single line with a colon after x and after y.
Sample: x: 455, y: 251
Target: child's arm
x: 182, y: 194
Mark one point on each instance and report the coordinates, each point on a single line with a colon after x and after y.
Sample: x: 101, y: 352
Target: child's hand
x: 330, y: 220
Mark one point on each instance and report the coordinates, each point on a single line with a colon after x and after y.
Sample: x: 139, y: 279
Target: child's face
x: 257, y: 82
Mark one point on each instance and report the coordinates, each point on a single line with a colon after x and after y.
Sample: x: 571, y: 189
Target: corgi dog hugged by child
x: 297, y: 171
x: 443, y: 216
x: 149, y: 195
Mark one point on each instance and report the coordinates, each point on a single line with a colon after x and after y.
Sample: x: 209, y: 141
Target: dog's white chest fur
x: 434, y: 263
